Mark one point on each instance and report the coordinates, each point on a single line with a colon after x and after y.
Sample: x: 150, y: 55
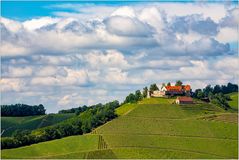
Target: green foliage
x: 138, y: 95
x: 22, y: 110
x: 130, y: 98
x: 178, y: 83
x: 10, y: 124
x: 207, y: 90
x: 94, y: 116
x: 145, y: 92
x: 199, y: 94
x: 153, y: 87
x: 77, y: 111
x: 133, y: 98
x: 220, y: 99
x: 216, y: 94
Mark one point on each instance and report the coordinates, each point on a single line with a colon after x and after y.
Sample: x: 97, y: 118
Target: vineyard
x: 10, y: 124
x: 149, y: 129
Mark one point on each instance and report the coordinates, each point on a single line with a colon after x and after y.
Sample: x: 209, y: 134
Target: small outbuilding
x: 184, y: 100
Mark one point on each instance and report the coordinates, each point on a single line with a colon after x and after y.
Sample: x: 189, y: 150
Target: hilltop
x: 152, y: 128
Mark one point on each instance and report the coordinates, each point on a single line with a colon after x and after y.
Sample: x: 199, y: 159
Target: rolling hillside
x: 154, y: 128
x: 11, y: 124
x: 234, y: 102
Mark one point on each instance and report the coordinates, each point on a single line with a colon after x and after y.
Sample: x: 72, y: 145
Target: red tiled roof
x: 174, y: 88
x: 185, y: 99
x: 187, y: 87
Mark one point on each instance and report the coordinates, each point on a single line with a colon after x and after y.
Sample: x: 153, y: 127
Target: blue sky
x: 66, y: 54
x: 23, y: 10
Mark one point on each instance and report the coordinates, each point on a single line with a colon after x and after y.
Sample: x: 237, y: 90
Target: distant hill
x: 10, y: 124
x: 153, y: 128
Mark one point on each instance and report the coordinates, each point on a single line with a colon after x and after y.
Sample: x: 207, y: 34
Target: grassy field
x: 234, y: 102
x: 154, y: 128
x: 124, y: 109
x: 11, y: 124
x: 55, y: 148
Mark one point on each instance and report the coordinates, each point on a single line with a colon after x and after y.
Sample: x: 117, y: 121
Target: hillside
x: 234, y: 100
x: 153, y: 128
x: 11, y: 124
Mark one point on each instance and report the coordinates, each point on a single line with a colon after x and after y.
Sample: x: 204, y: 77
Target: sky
x: 65, y: 54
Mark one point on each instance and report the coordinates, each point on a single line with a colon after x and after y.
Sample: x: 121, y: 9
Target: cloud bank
x: 95, y: 54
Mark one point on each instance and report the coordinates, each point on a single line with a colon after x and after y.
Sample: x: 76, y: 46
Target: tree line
x: 77, y: 110
x: 22, y: 110
x: 216, y: 94
x: 85, y: 122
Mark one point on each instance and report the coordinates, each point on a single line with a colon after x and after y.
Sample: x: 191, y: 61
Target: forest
x: 22, y: 110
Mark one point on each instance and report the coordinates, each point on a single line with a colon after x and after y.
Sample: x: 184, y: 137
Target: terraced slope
x: 154, y: 128
x: 166, y: 130
x: 11, y: 124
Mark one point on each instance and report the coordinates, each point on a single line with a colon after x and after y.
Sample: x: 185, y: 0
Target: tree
x: 168, y: 84
x: 22, y: 110
x: 145, y: 92
x: 232, y: 87
x: 92, y: 117
x: 153, y: 87
x: 221, y: 100
x: 138, y: 95
x: 207, y: 89
x: 217, y: 89
x: 178, y: 83
x: 210, y: 96
x: 130, y: 98
x: 200, y: 94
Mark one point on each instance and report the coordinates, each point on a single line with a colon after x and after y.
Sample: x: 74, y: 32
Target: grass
x: 55, y: 148
x: 157, y: 101
x: 227, y: 117
x: 176, y: 143
x: 174, y: 111
x: 11, y: 124
x: 234, y: 102
x: 124, y: 109
x: 156, y: 153
x: 153, y: 128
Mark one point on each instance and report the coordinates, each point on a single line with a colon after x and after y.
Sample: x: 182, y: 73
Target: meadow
x: 153, y: 128
x: 10, y: 124
x: 234, y: 100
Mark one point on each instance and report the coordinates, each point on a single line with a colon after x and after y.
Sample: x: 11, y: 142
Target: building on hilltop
x: 172, y: 91
x: 184, y: 100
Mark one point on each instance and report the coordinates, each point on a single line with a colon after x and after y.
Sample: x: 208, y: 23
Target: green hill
x: 154, y: 128
x: 234, y: 102
x: 11, y: 124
